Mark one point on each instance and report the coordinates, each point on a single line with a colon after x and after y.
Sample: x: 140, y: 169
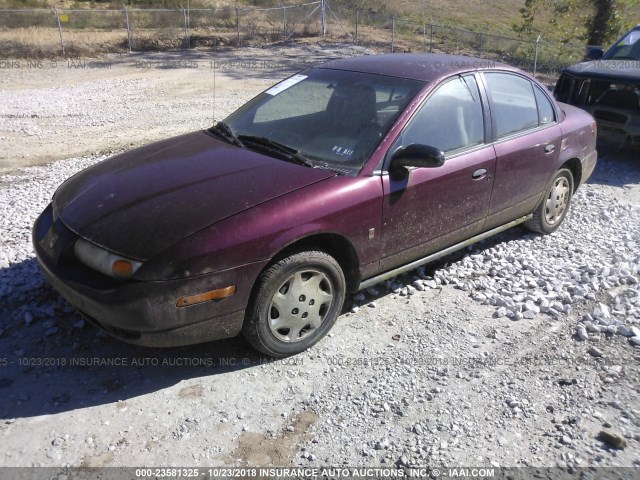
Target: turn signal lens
x: 122, y: 269
x: 217, y: 294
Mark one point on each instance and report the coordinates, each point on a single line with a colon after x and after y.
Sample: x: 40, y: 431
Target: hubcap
x: 557, y: 201
x: 300, y: 305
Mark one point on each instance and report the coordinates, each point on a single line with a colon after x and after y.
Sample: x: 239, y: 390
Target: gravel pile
x: 23, y: 196
x: 45, y: 111
x: 598, y: 251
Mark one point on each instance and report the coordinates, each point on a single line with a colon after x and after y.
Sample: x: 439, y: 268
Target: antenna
x: 214, y: 92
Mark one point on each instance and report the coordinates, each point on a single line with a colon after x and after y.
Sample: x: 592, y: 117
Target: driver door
x: 428, y: 209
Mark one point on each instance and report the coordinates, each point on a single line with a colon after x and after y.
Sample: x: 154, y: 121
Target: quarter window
x: 450, y: 119
x: 545, y: 109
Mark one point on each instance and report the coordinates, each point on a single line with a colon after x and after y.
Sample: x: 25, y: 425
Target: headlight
x: 104, y: 261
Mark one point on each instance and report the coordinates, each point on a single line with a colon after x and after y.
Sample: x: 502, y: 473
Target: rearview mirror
x: 416, y: 155
x: 595, y: 53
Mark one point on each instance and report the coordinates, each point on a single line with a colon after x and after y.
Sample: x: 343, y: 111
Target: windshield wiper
x: 223, y: 130
x: 288, y: 152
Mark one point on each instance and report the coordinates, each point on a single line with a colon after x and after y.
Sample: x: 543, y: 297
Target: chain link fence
x: 41, y: 33
x: 404, y: 35
x: 25, y: 33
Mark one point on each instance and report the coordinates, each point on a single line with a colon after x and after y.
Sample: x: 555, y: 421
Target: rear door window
x: 514, y: 103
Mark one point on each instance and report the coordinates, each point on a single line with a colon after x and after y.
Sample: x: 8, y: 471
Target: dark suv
x: 608, y: 87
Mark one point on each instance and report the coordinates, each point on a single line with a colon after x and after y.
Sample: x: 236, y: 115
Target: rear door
x: 527, y: 143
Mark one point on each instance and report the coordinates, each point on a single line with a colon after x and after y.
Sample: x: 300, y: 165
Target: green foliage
x: 569, y: 18
x: 596, y: 22
x: 628, y: 11
x: 529, y: 11
x: 604, y: 25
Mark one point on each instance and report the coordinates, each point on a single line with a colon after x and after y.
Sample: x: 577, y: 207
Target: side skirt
x: 442, y: 253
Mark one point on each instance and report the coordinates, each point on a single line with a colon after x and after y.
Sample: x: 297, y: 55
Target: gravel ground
x: 50, y: 110
x: 520, y: 351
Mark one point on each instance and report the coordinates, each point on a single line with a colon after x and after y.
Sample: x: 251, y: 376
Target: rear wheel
x: 297, y: 301
x: 554, y: 206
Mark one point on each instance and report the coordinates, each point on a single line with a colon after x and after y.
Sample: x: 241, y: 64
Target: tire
x: 295, y: 303
x: 551, y: 212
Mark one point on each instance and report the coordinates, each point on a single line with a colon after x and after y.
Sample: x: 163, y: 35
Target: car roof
x: 419, y: 66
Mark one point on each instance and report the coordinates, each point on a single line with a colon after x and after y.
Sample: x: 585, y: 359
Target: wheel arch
x: 336, y: 245
x: 575, y: 167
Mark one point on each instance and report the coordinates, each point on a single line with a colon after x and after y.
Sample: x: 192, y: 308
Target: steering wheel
x: 286, y: 137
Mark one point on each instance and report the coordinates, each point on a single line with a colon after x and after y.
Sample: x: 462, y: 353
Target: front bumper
x: 618, y: 126
x: 142, y: 312
x: 597, y: 91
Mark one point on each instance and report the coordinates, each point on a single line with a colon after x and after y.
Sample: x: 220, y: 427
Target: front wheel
x: 554, y: 206
x: 295, y: 304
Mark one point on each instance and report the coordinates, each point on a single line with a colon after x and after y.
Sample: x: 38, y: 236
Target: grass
x: 489, y: 16
x: 35, y: 34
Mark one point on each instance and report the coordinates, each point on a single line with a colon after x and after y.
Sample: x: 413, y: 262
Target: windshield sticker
x: 282, y: 86
x: 342, y: 151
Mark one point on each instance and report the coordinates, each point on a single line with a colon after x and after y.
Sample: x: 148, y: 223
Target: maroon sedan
x: 332, y: 180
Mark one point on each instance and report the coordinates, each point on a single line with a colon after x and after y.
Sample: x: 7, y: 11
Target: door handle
x: 549, y: 148
x: 479, y: 173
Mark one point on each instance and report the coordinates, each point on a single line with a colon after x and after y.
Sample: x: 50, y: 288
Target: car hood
x: 143, y: 201
x: 623, y: 70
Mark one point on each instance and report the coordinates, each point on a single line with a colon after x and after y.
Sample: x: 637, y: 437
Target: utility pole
x: 324, y: 17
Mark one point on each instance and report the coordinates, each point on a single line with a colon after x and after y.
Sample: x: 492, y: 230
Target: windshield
x: 627, y: 48
x: 329, y: 119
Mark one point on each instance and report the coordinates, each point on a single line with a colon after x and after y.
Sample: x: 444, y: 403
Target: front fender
x: 346, y: 206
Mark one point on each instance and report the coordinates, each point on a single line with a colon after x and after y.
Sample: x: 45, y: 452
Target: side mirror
x: 595, y: 53
x: 416, y: 155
